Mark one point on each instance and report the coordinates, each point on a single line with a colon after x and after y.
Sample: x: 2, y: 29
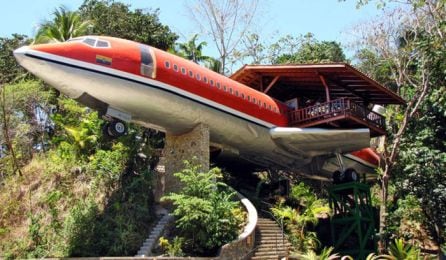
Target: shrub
x: 205, y: 213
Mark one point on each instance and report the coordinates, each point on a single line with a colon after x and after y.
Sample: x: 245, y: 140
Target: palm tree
x: 192, y: 51
x: 213, y: 64
x: 65, y: 25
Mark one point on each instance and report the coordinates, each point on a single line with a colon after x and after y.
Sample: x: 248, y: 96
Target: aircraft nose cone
x: 19, y: 53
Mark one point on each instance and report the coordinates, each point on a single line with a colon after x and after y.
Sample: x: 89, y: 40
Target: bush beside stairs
x: 271, y: 243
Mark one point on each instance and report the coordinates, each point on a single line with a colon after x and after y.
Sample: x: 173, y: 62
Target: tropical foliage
x: 206, y: 214
x: 113, y: 18
x: 406, y: 48
x: 64, y: 26
x: 301, y: 216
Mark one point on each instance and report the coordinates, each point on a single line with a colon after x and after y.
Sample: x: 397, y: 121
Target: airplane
x: 131, y: 82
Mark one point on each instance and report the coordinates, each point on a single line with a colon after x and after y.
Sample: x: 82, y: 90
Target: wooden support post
x: 261, y: 83
x: 327, y: 90
x: 276, y: 78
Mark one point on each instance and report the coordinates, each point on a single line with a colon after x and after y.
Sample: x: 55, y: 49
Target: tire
x: 337, y: 177
x: 351, y: 175
x: 116, y: 128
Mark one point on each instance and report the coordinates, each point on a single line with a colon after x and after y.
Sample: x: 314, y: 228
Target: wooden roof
x: 284, y: 82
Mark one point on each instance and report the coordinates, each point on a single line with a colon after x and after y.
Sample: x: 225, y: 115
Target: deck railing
x: 336, y: 108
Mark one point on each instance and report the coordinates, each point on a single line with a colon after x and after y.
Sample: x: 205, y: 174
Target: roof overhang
x: 342, y: 80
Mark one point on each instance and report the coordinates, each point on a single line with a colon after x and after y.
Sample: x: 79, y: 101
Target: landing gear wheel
x: 115, y: 128
x: 337, y: 177
x: 351, y: 175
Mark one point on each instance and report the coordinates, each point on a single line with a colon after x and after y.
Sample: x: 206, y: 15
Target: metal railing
x: 334, y: 108
x: 278, y: 221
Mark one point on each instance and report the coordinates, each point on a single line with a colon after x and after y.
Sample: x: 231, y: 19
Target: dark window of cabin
x: 225, y: 88
x: 249, y: 97
x: 211, y: 82
x: 218, y: 85
x: 175, y: 67
x: 230, y: 90
x: 167, y: 64
x: 243, y: 96
x: 183, y: 70
x: 191, y: 74
x: 205, y: 79
x: 197, y: 76
x: 254, y: 100
x: 236, y: 93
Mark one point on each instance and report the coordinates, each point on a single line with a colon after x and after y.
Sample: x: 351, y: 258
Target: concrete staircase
x: 152, y: 240
x: 270, y: 241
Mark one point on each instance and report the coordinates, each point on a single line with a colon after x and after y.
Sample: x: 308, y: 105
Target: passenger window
x: 230, y: 90
x: 254, y: 100
x: 183, y: 70
x: 249, y: 98
x: 205, y: 79
x: 225, y: 88
x: 218, y: 85
x: 212, y: 82
x: 269, y: 107
x: 197, y: 76
x: 236, y: 93
x: 191, y: 74
x: 175, y: 67
x: 243, y: 96
x: 167, y: 64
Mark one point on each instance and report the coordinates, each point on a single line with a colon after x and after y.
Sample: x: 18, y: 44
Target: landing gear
x: 115, y: 128
x: 349, y: 175
x: 344, y: 175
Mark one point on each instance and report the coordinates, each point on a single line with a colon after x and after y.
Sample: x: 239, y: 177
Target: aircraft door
x: 148, y: 67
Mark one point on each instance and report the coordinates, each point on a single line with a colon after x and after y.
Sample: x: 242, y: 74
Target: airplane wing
x: 317, y: 141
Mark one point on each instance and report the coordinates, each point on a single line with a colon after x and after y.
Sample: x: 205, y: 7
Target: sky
x: 326, y: 19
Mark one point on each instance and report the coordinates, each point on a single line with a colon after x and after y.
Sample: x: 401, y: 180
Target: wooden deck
x: 339, y: 113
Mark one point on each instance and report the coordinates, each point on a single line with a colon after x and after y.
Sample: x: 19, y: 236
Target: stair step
x: 271, y: 253
x: 270, y: 231
x: 272, y: 249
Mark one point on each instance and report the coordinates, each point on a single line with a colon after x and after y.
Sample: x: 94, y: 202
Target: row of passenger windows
x: 219, y: 86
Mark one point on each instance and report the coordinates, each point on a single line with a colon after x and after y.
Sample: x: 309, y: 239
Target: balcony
x: 339, y: 113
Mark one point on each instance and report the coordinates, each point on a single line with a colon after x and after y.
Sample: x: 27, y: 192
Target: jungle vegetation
x: 67, y: 190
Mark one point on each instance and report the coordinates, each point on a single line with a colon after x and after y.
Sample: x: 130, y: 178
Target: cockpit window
x: 89, y: 41
x: 102, y: 44
x: 77, y: 39
x: 93, y: 42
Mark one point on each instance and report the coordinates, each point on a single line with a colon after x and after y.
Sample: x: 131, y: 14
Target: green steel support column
x: 353, y: 222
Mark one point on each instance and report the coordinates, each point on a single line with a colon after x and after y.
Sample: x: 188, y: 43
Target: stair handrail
x: 280, y: 223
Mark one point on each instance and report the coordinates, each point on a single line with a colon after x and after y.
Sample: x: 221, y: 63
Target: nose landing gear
x: 115, y: 128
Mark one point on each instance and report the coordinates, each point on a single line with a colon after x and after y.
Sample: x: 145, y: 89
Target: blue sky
x: 327, y: 19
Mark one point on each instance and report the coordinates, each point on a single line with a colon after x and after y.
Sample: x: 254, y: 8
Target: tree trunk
x: 382, y: 243
x: 6, y: 132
